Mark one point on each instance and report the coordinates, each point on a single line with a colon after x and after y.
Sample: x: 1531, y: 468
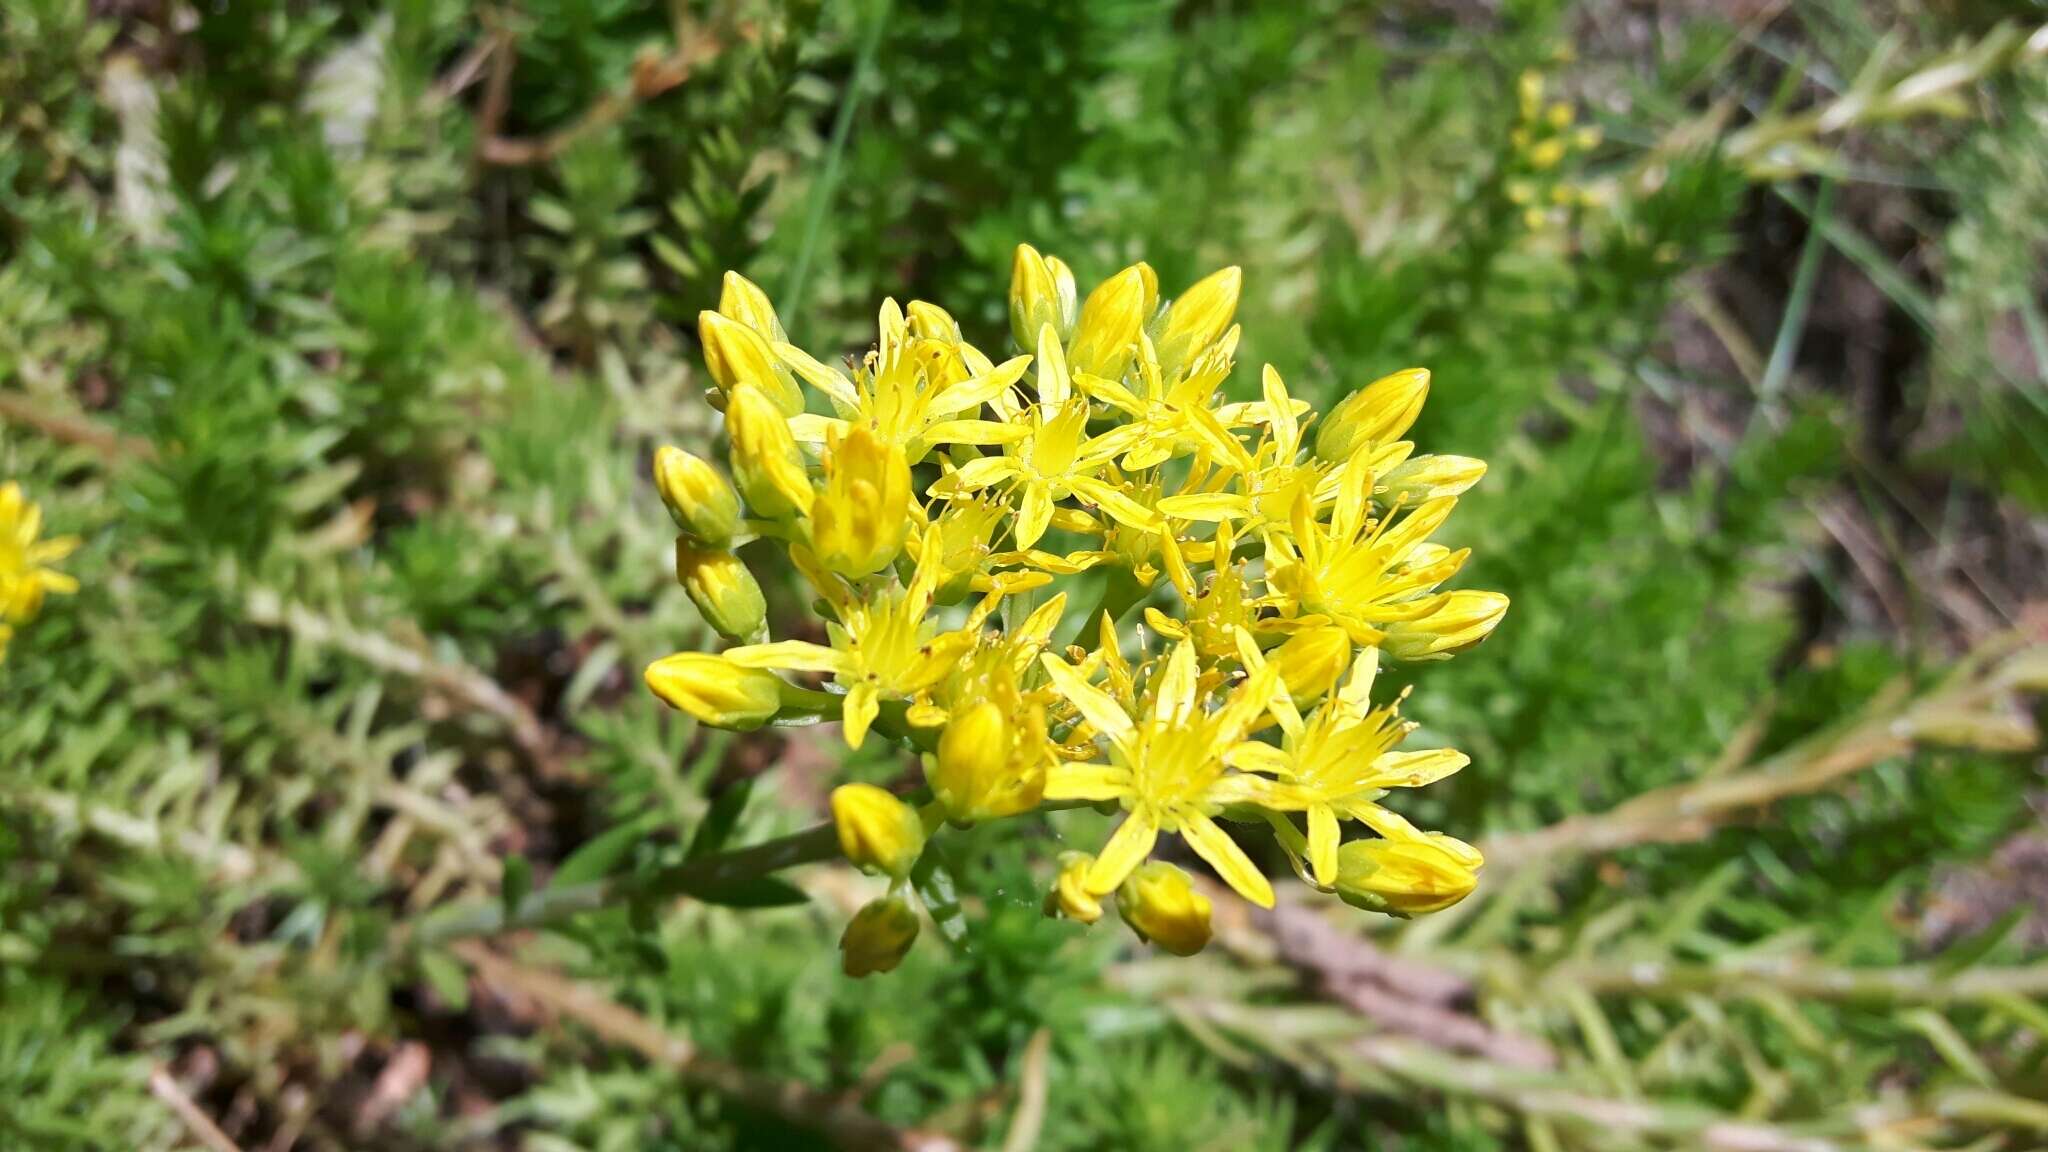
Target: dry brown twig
x: 71, y: 428
x: 461, y: 683
x: 164, y: 1087
x: 1397, y: 994
x: 839, y: 1119
x: 1975, y: 707
x: 654, y: 73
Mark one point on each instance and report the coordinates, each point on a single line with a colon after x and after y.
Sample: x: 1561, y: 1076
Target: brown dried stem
x: 838, y: 1119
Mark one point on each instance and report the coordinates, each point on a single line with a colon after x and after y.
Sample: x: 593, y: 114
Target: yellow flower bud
x: 878, y: 937
x: 1161, y: 905
x: 1559, y: 115
x: 859, y: 521
x: 878, y: 832
x: 723, y: 590
x: 1463, y: 619
x: 979, y: 773
x: 1545, y: 155
x: 741, y: 299
x: 1378, y: 413
x: 1311, y: 662
x: 765, y: 458
x: 1529, y: 93
x: 1586, y: 139
x: 1198, y: 319
x: 716, y: 691
x: 1036, y: 298
x: 1407, y: 877
x: 931, y: 322
x: 1070, y: 896
x: 1111, y: 319
x: 1428, y: 477
x: 699, y: 499
x: 737, y: 356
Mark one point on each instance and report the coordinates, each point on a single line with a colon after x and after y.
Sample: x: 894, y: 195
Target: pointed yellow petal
x: 1126, y: 849
x: 1415, y: 769
x: 1214, y: 845
x: 862, y: 703
x: 1207, y: 506
x: 1323, y: 839
x: 1086, y: 782
x: 1033, y: 513
x: 1095, y: 705
x: 790, y: 655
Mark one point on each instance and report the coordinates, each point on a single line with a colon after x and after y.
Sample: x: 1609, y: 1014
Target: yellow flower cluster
x: 25, y: 572
x: 1544, y: 140
x: 941, y: 505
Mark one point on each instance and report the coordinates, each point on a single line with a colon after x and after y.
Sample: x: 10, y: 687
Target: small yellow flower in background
x: 26, y: 575
x: 945, y: 507
x: 878, y: 937
x: 1540, y: 178
x: 878, y: 832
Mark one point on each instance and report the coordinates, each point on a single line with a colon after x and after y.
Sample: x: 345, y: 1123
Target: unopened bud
x: 1036, y: 298
x: 976, y: 774
x: 1111, y: 319
x: 716, y: 691
x: 1428, y: 477
x: 765, y: 458
x: 878, y: 832
x: 878, y: 937
x: 741, y: 299
x: 1070, y: 896
x: 859, y: 521
x: 930, y: 322
x: 1406, y: 877
x: 1310, y: 663
x: 723, y: 590
x: 1461, y: 621
x: 739, y: 357
x: 1375, y: 414
x: 1161, y: 905
x: 1198, y: 319
x: 699, y: 500
x: 1545, y: 154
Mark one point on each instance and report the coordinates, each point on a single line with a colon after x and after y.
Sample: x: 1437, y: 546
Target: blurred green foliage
x: 342, y: 335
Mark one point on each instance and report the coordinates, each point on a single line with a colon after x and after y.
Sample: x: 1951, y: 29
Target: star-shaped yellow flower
x: 1166, y: 767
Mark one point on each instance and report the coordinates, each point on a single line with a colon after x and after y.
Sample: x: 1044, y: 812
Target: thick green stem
x: 555, y: 905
